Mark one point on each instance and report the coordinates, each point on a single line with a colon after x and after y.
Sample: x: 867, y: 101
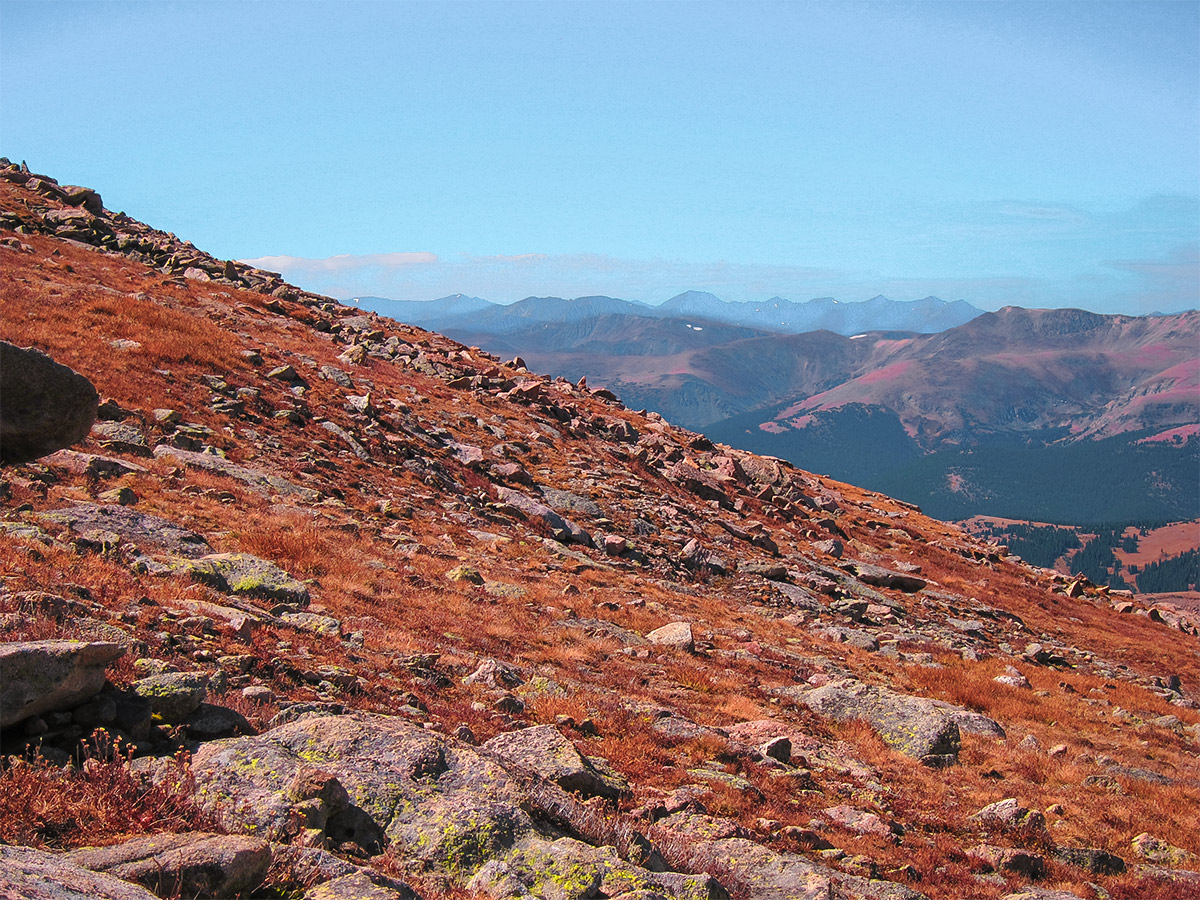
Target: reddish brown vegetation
x: 42, y: 805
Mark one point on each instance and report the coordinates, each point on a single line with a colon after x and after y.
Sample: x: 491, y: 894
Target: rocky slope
x: 363, y: 612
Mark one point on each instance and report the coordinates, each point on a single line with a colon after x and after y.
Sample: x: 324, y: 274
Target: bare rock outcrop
x: 486, y: 816
x: 44, y: 405
x: 443, y: 803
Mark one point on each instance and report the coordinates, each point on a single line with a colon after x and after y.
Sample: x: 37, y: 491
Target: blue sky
x: 1040, y: 154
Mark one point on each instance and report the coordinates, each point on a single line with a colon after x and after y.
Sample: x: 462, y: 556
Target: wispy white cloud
x: 1049, y: 212
x: 1167, y: 284
x: 346, y: 262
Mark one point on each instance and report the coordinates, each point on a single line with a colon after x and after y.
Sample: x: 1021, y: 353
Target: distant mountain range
x: 1060, y: 415
x: 473, y: 314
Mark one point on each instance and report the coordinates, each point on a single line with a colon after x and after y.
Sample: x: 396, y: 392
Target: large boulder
x: 44, y: 405
x: 41, y: 676
x: 191, y: 865
x: 38, y: 875
x: 915, y: 726
x: 173, y: 695
x: 442, y: 803
x: 673, y: 634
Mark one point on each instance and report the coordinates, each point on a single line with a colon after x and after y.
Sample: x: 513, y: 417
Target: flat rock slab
x: 242, y: 573
x: 545, y: 751
x: 326, y: 626
x: 362, y: 886
x: 877, y: 576
x: 135, y: 527
x: 568, y: 868
x: 190, y: 865
x: 41, y: 676
x: 121, y: 437
x: 1093, y: 859
x: 261, y: 482
x: 563, y: 529
x: 92, y: 465
x: 47, y: 406
x: 913, y: 725
x: 31, y: 874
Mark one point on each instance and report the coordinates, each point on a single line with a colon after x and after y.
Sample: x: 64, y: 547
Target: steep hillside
x: 385, y: 615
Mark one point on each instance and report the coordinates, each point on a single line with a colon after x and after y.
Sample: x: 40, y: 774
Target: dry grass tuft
x: 100, y: 799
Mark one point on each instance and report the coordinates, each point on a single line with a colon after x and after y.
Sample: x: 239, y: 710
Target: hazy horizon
x: 654, y: 303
